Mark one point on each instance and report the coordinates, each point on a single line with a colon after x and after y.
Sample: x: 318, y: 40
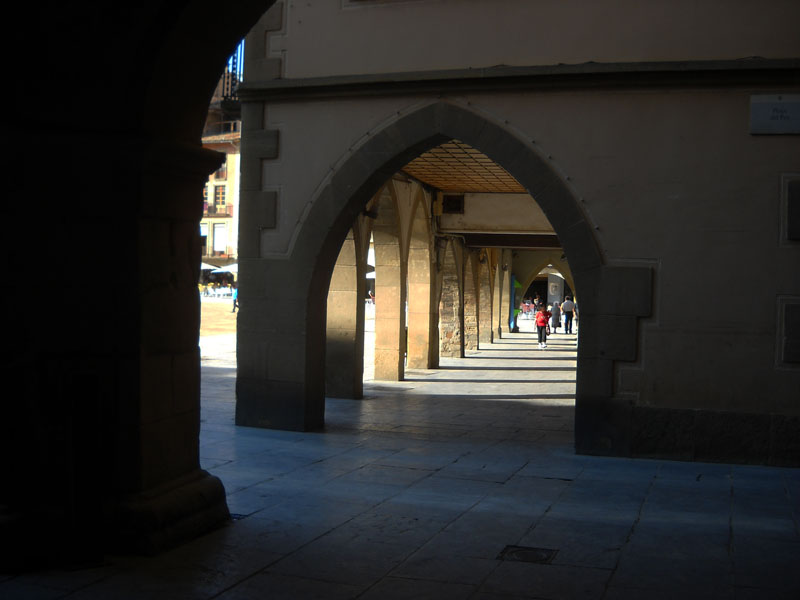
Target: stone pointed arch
x: 402, y: 140
x: 543, y: 259
x: 613, y: 296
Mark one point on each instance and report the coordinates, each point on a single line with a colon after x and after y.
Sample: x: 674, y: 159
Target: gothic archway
x: 609, y: 326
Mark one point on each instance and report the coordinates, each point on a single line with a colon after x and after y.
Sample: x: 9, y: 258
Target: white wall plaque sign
x: 775, y: 114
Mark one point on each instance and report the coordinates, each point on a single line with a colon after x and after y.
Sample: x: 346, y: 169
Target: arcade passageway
x: 445, y: 245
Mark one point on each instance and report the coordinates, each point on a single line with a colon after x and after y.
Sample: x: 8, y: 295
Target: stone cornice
x: 748, y: 71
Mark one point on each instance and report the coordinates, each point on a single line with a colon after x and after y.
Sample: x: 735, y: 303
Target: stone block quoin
x: 258, y: 207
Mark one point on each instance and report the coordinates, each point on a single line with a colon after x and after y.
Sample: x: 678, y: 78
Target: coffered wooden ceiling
x: 455, y: 167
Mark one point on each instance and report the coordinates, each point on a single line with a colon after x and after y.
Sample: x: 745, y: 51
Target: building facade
x: 656, y: 158
x: 219, y: 226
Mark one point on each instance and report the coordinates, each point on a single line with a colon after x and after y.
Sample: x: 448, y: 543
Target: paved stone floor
x: 415, y: 492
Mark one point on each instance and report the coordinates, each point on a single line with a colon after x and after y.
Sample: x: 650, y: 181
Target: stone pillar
x: 485, y: 334
x: 390, y: 294
x: 471, y: 300
x: 105, y: 369
x: 436, y: 282
x: 281, y: 328
x: 451, y: 305
x: 164, y: 485
x: 507, y: 292
x: 422, y: 304
x: 344, y: 357
x: 280, y: 340
x: 497, y: 292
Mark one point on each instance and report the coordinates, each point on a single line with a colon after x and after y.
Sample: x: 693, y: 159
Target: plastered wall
x: 385, y: 36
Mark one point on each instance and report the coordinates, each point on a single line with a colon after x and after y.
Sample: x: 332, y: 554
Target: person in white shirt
x: 568, y: 308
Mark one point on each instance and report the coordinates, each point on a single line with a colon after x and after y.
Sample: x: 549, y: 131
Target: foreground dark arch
x: 103, y: 372
x: 609, y: 322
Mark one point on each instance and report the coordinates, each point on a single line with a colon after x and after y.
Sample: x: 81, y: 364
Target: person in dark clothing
x: 556, y: 310
x: 568, y: 308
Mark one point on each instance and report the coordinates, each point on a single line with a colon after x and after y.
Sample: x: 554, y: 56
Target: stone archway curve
x: 405, y: 138
x: 392, y: 147
x: 613, y: 297
x: 548, y: 258
x: 184, y: 57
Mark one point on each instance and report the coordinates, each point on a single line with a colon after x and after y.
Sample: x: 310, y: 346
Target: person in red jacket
x: 542, y: 319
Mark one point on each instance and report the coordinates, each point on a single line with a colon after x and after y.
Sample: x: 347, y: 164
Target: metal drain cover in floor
x: 527, y: 554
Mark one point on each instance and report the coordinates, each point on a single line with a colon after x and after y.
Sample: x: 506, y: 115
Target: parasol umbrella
x: 207, y: 267
x: 234, y: 268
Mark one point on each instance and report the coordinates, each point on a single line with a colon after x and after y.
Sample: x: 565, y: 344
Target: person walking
x: 235, y: 297
x: 568, y: 308
x: 542, y: 319
x: 556, y: 310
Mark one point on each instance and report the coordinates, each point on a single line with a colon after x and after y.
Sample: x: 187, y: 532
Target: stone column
x: 485, y: 333
x: 436, y: 283
x: 422, y: 304
x: 507, y: 292
x: 471, y: 300
x: 164, y: 484
x: 497, y: 292
x: 344, y: 358
x: 280, y: 341
x: 105, y: 379
x: 451, y: 305
x: 390, y: 294
x: 281, y: 328
x: 104, y: 367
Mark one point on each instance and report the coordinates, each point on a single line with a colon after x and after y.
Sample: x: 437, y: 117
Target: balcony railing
x: 209, y: 210
x: 229, y: 85
x: 222, y: 127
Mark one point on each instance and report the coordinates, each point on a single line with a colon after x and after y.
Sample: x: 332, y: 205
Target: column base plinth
x: 158, y: 519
